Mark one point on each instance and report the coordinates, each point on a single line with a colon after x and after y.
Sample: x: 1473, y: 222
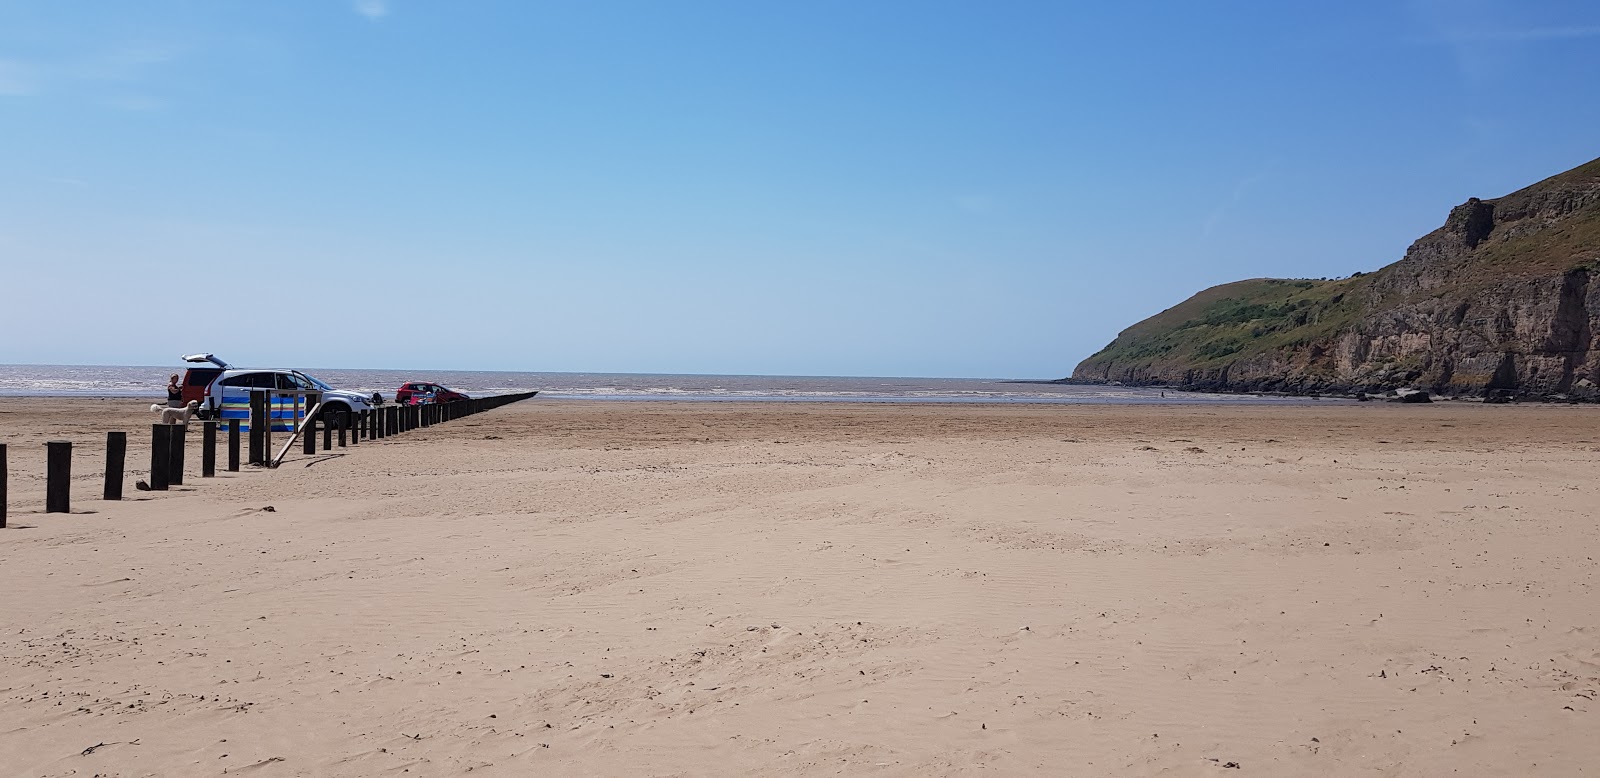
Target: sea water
x: 151, y: 382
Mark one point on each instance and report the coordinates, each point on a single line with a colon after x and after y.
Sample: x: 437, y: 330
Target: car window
x: 200, y: 376
x: 251, y: 381
x: 292, y: 382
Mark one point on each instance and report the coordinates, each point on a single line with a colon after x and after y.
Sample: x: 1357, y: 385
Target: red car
x: 422, y: 393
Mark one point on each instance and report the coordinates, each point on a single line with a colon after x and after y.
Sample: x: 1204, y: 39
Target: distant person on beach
x: 174, y: 393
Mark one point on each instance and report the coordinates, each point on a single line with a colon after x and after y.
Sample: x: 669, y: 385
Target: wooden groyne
x: 167, y: 441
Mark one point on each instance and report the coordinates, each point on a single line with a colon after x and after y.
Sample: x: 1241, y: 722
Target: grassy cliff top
x: 1230, y: 321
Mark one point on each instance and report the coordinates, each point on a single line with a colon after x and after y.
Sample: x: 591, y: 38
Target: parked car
x: 227, y: 394
x: 196, y: 380
x: 422, y: 393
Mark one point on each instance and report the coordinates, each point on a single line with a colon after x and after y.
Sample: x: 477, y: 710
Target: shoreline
x: 1488, y: 396
x: 1205, y: 399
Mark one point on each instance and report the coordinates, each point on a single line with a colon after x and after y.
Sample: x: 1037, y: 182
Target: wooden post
x: 2, y: 486
x: 233, y: 445
x: 178, y: 433
x: 160, y: 456
x: 344, y: 422
x: 116, y: 450
x: 58, y: 477
x: 266, y: 430
x: 308, y: 436
x: 258, y: 426
x: 328, y: 423
x: 208, y: 449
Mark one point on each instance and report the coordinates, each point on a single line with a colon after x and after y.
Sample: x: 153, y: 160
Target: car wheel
x: 331, y: 412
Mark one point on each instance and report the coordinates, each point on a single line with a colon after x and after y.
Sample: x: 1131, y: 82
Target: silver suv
x: 227, y: 394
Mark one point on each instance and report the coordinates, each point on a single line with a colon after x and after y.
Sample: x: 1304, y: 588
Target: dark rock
x: 1473, y: 220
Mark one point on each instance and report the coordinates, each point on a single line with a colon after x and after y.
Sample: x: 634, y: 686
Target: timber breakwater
x: 169, y: 462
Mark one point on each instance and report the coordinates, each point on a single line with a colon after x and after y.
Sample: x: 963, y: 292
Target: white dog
x: 177, y: 415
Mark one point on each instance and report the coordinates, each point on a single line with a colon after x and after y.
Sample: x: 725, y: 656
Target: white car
x: 227, y: 395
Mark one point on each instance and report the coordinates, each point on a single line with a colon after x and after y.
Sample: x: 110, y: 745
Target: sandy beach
x: 564, y: 588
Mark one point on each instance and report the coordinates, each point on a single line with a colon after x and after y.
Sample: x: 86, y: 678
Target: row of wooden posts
x: 167, y: 441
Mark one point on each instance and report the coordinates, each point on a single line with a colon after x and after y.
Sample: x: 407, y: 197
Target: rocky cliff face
x: 1506, y: 295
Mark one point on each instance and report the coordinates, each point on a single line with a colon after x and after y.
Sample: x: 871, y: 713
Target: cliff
x: 1505, y: 295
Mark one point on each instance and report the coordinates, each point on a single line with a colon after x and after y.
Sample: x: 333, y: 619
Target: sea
x: 150, y: 382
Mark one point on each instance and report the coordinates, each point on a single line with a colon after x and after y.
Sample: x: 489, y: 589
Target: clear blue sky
x: 930, y: 188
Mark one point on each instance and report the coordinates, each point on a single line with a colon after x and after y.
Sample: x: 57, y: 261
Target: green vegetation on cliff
x: 1228, y: 322
x: 1499, y: 297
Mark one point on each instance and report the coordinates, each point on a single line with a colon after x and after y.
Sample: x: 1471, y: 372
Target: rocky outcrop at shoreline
x: 1503, y: 299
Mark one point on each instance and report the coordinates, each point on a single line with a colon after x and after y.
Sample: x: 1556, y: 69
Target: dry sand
x: 564, y: 588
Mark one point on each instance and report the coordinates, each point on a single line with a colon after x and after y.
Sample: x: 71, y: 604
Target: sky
x: 834, y: 187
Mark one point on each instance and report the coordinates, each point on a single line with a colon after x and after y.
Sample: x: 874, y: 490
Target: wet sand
x: 561, y: 587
